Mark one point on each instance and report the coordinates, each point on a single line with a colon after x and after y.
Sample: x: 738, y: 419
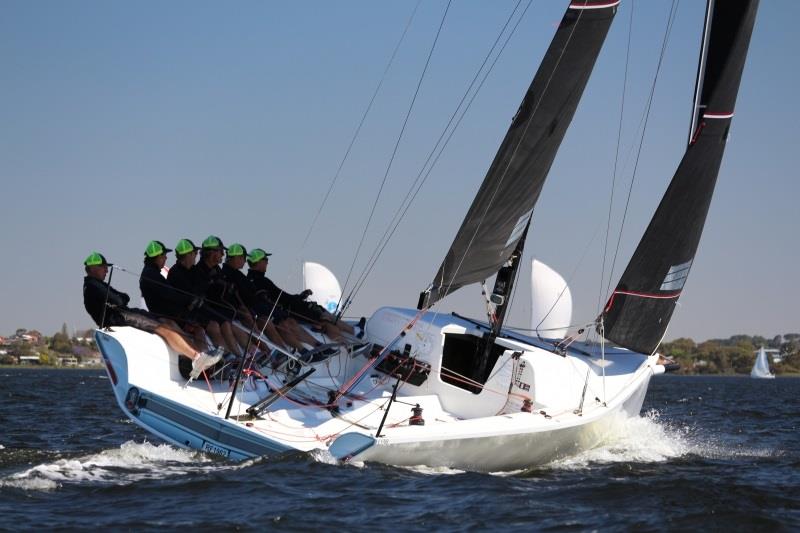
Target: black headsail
x: 502, y: 209
x: 639, y: 309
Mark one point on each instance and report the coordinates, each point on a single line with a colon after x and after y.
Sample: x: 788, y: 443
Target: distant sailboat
x: 761, y: 366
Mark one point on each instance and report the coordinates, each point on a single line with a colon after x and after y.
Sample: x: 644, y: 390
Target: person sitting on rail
x: 295, y: 304
x: 108, y: 307
x: 280, y: 329
x: 153, y: 283
x: 212, y: 287
x: 170, y: 295
x: 185, y: 302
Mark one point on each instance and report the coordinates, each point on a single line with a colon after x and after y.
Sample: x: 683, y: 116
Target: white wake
x: 130, y: 463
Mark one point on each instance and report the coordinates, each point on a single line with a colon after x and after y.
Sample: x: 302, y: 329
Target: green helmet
x: 156, y: 248
x: 185, y: 246
x: 236, y: 249
x: 256, y: 255
x: 213, y: 242
x: 96, y: 259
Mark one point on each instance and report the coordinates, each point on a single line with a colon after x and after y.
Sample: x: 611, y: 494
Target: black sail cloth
x: 502, y: 209
x: 638, y: 311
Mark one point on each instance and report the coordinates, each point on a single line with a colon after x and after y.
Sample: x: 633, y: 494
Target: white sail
x: 761, y: 366
x: 551, y: 302
x: 325, y: 288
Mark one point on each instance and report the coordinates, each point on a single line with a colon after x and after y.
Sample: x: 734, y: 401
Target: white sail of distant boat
x: 761, y: 366
x: 551, y: 302
x: 324, y: 287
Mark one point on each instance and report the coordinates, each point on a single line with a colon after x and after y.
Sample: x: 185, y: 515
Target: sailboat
x: 761, y: 366
x: 441, y: 389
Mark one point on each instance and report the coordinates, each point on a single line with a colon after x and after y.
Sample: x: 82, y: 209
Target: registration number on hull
x: 216, y: 450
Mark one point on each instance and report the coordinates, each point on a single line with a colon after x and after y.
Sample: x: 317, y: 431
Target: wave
x: 129, y: 463
x: 643, y: 439
x: 649, y: 439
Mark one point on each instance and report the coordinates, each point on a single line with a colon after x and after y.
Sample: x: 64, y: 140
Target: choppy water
x: 709, y: 453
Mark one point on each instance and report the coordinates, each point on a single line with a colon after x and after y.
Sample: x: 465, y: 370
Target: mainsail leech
x: 503, y: 206
x: 639, y: 309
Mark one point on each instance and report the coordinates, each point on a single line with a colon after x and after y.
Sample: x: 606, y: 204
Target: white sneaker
x: 203, y: 361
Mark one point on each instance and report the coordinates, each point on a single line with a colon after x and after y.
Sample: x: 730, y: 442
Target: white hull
x: 464, y: 429
x: 509, y: 444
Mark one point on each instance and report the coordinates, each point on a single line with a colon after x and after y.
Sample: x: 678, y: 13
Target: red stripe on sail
x: 641, y: 295
x: 718, y: 115
x: 592, y: 5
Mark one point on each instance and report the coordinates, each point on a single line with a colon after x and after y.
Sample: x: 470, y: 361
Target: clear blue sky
x: 123, y: 122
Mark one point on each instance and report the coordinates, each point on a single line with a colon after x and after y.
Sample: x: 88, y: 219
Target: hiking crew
x: 153, y: 284
x: 185, y: 298
x: 108, y: 307
x: 280, y: 328
x: 212, y: 287
x: 295, y: 304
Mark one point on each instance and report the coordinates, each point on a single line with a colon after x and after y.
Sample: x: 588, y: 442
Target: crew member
x: 109, y: 307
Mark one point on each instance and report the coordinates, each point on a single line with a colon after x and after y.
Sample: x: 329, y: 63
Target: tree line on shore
x: 734, y: 355
x: 50, y: 350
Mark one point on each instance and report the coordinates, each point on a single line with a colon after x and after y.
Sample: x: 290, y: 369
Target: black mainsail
x: 502, y: 209
x: 638, y: 311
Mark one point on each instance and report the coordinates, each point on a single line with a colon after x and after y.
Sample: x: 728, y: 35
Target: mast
x: 502, y: 209
x: 500, y: 298
x: 639, y: 310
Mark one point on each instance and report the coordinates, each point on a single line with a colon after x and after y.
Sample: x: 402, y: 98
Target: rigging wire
x: 360, y: 124
x: 423, y: 175
x: 670, y: 21
x: 396, y: 146
x: 514, y: 153
x: 569, y: 279
x: 616, y: 161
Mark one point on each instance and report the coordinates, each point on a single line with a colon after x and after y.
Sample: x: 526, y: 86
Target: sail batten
x: 503, y: 206
x: 639, y: 309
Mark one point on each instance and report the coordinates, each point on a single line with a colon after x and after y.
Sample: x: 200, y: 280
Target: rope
x: 616, y: 160
x: 167, y: 285
x: 670, y: 21
x: 566, y: 285
x: 396, y: 146
x: 360, y: 124
x: 513, y: 155
x: 409, y: 197
x: 105, y: 304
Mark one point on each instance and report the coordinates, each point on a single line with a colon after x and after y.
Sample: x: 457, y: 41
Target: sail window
x: 676, y: 277
x: 519, y: 227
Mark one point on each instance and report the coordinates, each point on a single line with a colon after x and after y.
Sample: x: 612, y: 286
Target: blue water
x: 709, y: 453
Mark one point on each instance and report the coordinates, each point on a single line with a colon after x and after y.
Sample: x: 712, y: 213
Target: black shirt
x: 183, y: 291
x: 266, y: 289
x: 208, y: 281
x: 293, y: 303
x: 245, y: 290
x: 95, y: 293
x: 156, y: 292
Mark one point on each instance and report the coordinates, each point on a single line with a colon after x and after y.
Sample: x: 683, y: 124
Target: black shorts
x: 308, y: 311
x: 218, y: 313
x: 264, y: 310
x: 139, y: 319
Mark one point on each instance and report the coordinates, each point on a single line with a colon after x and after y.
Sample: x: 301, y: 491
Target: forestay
x: 502, y: 209
x: 638, y: 311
